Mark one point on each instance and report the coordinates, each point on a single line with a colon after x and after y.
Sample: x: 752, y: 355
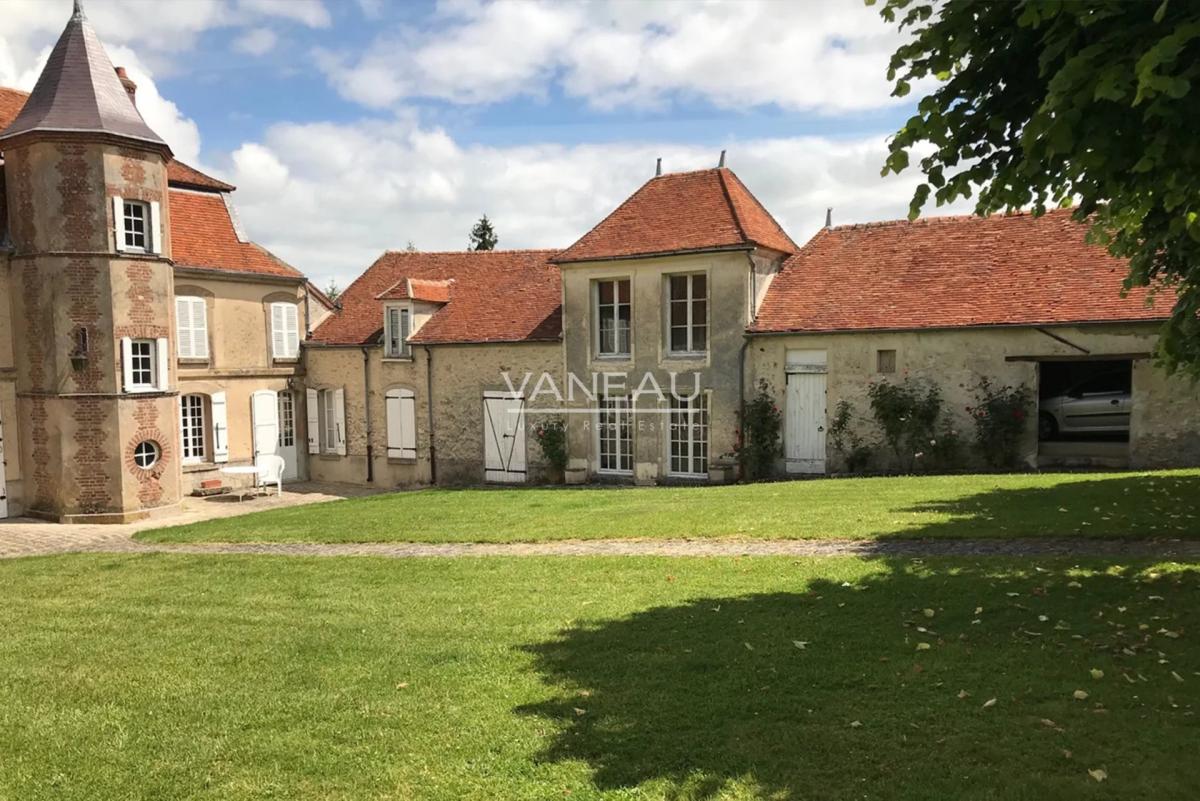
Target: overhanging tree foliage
x: 1043, y: 103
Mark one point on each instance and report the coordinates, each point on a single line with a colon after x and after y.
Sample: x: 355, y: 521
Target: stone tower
x: 93, y: 292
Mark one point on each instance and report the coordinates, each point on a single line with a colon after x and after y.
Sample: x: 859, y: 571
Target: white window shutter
x: 220, y: 427
x: 199, y: 328
x: 127, y: 363
x: 394, y: 437
x: 183, y: 328
x: 155, y: 227
x: 292, y: 316
x: 314, y: 421
x: 339, y: 416
x: 119, y: 222
x: 277, y: 330
x: 163, y: 354
x: 408, y: 425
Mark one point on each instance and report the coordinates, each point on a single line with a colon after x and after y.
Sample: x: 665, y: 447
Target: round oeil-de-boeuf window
x: 146, y: 454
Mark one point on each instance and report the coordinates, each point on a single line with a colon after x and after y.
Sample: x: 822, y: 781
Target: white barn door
x: 804, y: 428
x: 3, y: 482
x: 503, y: 437
x: 264, y: 414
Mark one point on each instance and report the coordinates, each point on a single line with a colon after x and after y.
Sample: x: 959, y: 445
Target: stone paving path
x: 24, y: 537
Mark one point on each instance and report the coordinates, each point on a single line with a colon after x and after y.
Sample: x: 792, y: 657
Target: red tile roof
x: 497, y: 296
x: 428, y: 290
x: 688, y: 211
x: 203, y: 235
x: 945, y: 272
x: 178, y: 173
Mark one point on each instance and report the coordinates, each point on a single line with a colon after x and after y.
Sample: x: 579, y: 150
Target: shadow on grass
x: 1142, y: 507
x: 824, y: 693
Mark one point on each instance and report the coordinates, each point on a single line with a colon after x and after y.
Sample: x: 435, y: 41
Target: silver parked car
x: 1098, y: 405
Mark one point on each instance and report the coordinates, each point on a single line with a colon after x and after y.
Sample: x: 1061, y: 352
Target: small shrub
x: 946, y: 449
x: 759, y: 441
x: 846, y: 441
x: 907, y: 414
x: 551, y: 437
x: 1001, y: 415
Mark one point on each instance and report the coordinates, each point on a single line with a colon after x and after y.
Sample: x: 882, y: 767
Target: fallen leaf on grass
x: 1097, y: 673
x: 1099, y: 774
x: 580, y: 712
x: 963, y: 694
x: 855, y: 724
x: 1080, y: 695
x: 1075, y: 585
x: 1177, y: 677
x: 927, y: 612
x: 989, y: 703
x: 923, y: 646
x: 801, y: 644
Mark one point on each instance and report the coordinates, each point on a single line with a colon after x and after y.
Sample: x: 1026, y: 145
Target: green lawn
x: 1157, y: 504
x: 202, y: 677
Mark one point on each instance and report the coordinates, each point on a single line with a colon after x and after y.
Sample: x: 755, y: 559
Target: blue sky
x: 353, y: 126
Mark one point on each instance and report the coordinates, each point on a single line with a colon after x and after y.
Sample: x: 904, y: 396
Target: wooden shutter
x: 220, y: 427
x: 277, y: 343
x: 191, y: 327
x: 314, y: 421
x: 127, y: 363
x: 154, y: 233
x: 163, y: 355
x: 339, y: 421
x: 291, y: 317
x: 401, y: 424
x: 405, y: 331
x: 119, y: 223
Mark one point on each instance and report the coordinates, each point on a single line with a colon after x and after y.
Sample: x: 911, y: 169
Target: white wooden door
x: 503, y: 437
x: 3, y: 483
x: 804, y: 430
x: 264, y: 415
x: 287, y: 435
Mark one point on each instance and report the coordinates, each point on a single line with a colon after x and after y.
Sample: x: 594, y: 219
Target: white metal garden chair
x: 270, y: 471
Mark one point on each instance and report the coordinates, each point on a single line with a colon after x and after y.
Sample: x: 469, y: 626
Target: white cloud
x: 329, y: 198
x: 256, y: 41
x: 163, y: 116
x: 827, y: 57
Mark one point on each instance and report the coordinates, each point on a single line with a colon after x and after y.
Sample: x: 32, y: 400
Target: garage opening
x: 1084, y: 409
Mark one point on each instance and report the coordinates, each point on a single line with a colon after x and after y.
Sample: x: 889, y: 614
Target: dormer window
x: 397, y: 329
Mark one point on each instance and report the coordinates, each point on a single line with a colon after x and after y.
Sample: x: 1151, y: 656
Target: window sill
x: 686, y: 356
x: 199, y: 467
x: 406, y: 460
x: 331, y: 457
x: 401, y: 359
x: 613, y: 357
x: 193, y: 362
x: 288, y: 360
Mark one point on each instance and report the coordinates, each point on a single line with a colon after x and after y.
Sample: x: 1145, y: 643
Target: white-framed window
x: 687, y: 313
x: 397, y: 329
x: 192, y: 428
x: 287, y: 419
x: 191, y: 327
x: 285, y: 330
x: 401, y: 424
x: 135, y: 225
x: 614, y: 436
x: 613, y: 318
x: 689, y: 437
x: 142, y: 364
x: 333, y: 421
x: 146, y: 454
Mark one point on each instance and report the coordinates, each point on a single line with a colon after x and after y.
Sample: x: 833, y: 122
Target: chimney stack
x: 721, y: 163
x: 130, y: 86
x: 829, y: 217
x: 658, y: 167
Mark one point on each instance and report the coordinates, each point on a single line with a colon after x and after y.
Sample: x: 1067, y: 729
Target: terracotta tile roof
x: 78, y: 90
x: 178, y: 173
x: 687, y: 211
x: 946, y: 272
x: 497, y: 296
x: 425, y: 289
x: 203, y: 235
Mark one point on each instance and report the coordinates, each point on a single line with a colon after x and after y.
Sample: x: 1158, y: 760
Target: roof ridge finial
x: 721, y: 163
x: 78, y: 11
x: 829, y: 217
x: 658, y: 167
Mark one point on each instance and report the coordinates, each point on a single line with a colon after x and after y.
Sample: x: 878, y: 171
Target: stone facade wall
x: 461, y: 374
x: 731, y: 278
x: 14, y: 486
x: 1166, y: 410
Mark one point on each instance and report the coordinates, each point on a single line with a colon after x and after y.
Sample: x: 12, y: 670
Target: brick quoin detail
x: 142, y: 313
x: 82, y: 291
x: 133, y: 170
x: 150, y: 489
x: 23, y: 221
x: 31, y: 286
x: 76, y: 190
x: 43, y: 494
x: 92, y: 421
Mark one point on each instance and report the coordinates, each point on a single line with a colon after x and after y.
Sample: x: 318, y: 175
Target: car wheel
x: 1047, y: 426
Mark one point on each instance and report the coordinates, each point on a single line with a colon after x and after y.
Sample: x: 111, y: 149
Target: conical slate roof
x: 79, y: 91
